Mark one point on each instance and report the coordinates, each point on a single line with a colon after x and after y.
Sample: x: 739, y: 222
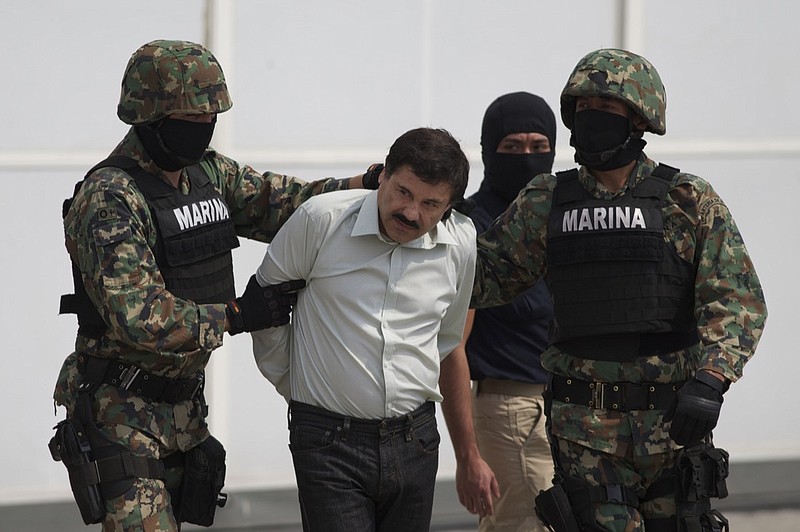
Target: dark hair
x: 433, y: 155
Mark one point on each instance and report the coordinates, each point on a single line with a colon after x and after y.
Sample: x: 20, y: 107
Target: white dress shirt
x: 376, y: 317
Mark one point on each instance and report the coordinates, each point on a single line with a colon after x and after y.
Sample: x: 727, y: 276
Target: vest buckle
x: 128, y: 376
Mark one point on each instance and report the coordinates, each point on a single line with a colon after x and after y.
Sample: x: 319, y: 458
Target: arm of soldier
x: 730, y: 306
x: 286, y: 258
x: 113, y: 236
x: 511, y: 252
x: 261, y: 203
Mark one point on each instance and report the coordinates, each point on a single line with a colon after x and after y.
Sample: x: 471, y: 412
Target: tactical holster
x: 98, y: 468
x: 70, y: 445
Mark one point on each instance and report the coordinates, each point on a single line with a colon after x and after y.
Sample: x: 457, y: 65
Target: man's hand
x: 695, y: 410
x: 261, y: 307
x: 476, y: 486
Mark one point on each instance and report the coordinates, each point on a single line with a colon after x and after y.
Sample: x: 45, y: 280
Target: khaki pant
x: 510, y: 426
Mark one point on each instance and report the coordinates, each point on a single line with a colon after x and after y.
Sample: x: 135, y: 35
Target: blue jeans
x: 357, y: 475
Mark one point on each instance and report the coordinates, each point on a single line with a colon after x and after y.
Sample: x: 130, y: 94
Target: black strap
x: 665, y: 171
x: 612, y: 494
x: 621, y: 396
x: 138, y: 381
x: 116, y: 467
x: 583, y: 496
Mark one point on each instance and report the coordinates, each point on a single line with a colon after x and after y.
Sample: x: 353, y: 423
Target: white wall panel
x: 323, y: 88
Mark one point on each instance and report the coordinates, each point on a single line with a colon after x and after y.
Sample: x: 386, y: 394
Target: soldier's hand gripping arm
x: 695, y: 410
x: 260, y: 307
x: 370, y: 178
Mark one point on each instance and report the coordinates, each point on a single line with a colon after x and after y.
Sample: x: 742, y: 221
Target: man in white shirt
x: 389, y: 276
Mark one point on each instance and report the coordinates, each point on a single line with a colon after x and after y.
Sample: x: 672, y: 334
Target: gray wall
x: 323, y: 88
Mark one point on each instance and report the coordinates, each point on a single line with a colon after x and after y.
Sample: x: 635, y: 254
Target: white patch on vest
x: 602, y: 218
x: 200, y: 213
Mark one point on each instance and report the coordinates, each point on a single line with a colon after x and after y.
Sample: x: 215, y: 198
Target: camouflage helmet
x: 622, y: 75
x: 165, y: 77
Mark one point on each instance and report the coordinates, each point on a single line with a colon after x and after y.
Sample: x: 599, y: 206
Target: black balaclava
x: 174, y: 144
x: 518, y: 112
x: 603, y: 140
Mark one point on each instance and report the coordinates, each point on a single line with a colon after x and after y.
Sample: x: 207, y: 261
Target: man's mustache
x: 402, y: 219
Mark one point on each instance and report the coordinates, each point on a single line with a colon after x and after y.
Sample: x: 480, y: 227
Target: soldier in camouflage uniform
x: 657, y: 309
x: 151, y: 243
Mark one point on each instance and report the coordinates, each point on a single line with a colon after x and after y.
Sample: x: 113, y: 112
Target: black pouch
x: 70, y: 445
x: 203, y: 480
x: 555, y: 511
x: 701, y: 472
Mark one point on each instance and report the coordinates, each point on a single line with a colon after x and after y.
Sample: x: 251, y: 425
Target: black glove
x: 695, y: 410
x: 261, y: 307
x: 370, y: 178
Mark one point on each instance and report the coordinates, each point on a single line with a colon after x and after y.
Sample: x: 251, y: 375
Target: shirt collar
x: 367, y: 224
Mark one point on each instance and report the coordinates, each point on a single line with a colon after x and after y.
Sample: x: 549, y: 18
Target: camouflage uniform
x: 111, y: 236
x: 606, y: 446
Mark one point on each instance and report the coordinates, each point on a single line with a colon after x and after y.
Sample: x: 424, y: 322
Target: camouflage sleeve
x: 511, y: 252
x: 729, y: 302
x: 112, y: 236
x: 261, y: 203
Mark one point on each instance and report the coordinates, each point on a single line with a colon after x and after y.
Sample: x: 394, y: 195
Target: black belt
x: 622, y: 396
x: 421, y: 415
x: 137, y: 381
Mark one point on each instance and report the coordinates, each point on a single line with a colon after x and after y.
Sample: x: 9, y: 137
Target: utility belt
x: 129, y: 377
x: 621, y: 396
x: 100, y: 469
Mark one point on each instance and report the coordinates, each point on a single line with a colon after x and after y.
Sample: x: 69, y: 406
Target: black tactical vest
x: 619, y: 290
x: 193, y: 246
